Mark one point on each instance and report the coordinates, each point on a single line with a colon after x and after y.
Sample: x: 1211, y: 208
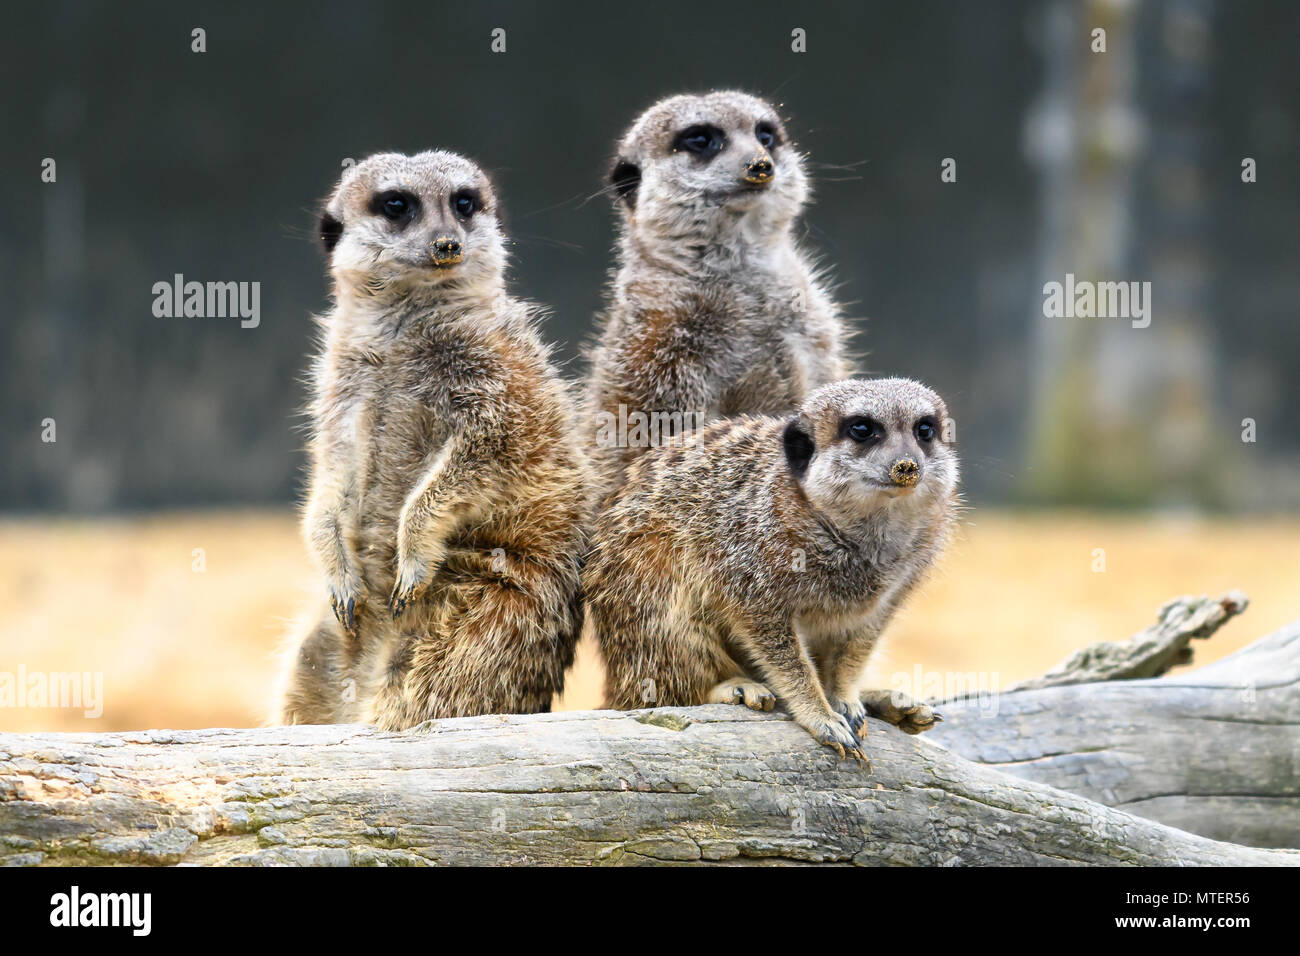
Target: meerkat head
x: 860, y: 445
x: 692, y: 161
x: 402, y: 225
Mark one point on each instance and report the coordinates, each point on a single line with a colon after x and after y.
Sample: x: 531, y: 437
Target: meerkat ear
x: 625, y: 177
x: 330, y: 230
x: 799, y: 447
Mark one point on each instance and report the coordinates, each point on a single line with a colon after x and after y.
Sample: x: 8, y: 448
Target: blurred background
x: 152, y: 464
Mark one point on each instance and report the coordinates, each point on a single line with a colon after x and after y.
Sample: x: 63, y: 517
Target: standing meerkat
x: 448, y: 492
x: 767, y: 557
x: 713, y: 309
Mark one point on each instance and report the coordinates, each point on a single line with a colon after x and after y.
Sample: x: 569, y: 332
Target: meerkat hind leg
x: 491, y: 648
x: 314, y: 687
x: 742, y: 690
x: 895, y: 707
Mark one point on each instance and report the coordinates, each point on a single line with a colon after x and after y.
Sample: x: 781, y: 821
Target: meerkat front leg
x: 457, y: 481
x: 893, y: 707
x: 841, y: 674
x: 843, y: 662
x: 789, y: 671
x: 329, y: 522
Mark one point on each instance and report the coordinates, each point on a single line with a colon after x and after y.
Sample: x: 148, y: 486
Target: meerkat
x: 713, y: 309
x: 762, y: 561
x: 448, y: 492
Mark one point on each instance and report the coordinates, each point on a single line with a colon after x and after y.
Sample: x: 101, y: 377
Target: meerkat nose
x: 759, y: 170
x: 906, y: 472
x: 446, y: 250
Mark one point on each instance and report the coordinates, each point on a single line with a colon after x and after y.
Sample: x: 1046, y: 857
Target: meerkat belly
x: 827, y: 630
x: 806, y: 358
x: 772, y: 380
x: 781, y: 363
x: 403, y: 440
x: 764, y: 388
x: 809, y: 342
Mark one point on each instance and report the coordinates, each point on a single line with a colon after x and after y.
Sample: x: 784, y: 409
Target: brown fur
x: 448, y: 495
x: 741, y: 559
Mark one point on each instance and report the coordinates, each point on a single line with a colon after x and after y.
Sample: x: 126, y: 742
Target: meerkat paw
x: 834, y: 731
x: 742, y: 690
x: 413, y: 578
x: 346, y: 595
x: 895, y: 707
x: 854, y: 712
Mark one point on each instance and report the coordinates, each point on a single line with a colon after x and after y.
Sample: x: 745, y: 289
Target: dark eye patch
x: 466, y: 202
x: 861, y: 429
x: 395, y: 205
x: 767, y: 135
x: 927, y: 429
x: 704, y: 141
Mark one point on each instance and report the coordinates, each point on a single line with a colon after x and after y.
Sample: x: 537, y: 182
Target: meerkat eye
x: 394, y: 205
x: 926, y: 429
x: 766, y: 134
x: 466, y: 203
x: 863, y: 429
x: 704, y: 141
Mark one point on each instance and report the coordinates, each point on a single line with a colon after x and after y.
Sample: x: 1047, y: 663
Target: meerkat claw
x: 403, y: 598
x: 345, y: 612
x: 839, y: 736
x: 859, y: 755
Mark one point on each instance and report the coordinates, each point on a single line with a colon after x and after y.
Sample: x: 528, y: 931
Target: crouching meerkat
x: 448, y: 493
x: 766, y: 558
x: 713, y: 310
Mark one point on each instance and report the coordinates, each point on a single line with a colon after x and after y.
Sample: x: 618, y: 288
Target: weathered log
x: 1152, y: 651
x: 710, y: 784
x: 1215, y: 751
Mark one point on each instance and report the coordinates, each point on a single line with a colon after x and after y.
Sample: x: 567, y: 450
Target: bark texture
x: 712, y: 784
x: 1215, y: 751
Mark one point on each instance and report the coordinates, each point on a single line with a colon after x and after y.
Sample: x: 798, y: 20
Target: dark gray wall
x: 211, y: 165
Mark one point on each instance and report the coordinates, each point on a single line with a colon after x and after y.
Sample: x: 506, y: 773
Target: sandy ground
x: 182, y: 614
